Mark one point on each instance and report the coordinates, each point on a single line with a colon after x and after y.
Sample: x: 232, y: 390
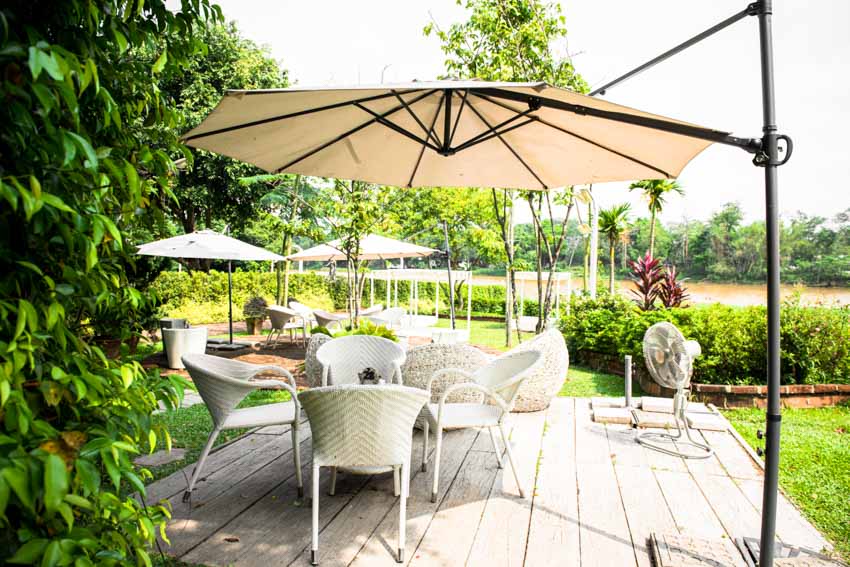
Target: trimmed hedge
x: 201, y: 297
x: 815, y: 340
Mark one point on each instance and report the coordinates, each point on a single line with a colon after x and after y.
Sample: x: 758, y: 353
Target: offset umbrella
x: 372, y: 247
x: 514, y: 135
x: 209, y: 245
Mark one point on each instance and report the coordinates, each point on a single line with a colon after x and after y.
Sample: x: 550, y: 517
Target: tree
x: 655, y: 191
x: 613, y: 223
x: 510, y: 40
x: 207, y: 189
x: 86, y: 147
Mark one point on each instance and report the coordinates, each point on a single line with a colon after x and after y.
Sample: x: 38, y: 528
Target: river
x: 709, y: 292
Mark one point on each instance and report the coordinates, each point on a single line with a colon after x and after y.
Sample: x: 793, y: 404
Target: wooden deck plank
x: 553, y: 537
x: 645, y: 507
x: 791, y: 527
x: 711, y: 465
x: 604, y: 532
x: 379, y: 548
x: 662, y: 461
x: 735, y: 512
x: 451, y: 533
x: 503, y: 531
x: 732, y: 456
x: 691, y: 512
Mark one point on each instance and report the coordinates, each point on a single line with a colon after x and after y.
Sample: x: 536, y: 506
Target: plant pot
x: 111, y: 347
x: 255, y: 325
x: 133, y: 343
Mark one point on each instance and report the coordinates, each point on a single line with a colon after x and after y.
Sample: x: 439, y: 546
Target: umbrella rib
x: 580, y: 137
x: 395, y: 127
x: 350, y: 132
x: 422, y: 150
x: 286, y: 116
x: 431, y: 135
x: 459, y: 112
x: 510, y: 148
x: 489, y: 134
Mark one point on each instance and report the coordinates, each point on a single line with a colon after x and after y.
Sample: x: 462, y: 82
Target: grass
x: 814, y: 468
x: 485, y: 333
x: 190, y: 427
x: 582, y: 382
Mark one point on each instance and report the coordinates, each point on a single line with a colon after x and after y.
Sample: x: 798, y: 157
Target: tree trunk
x: 612, y: 247
x: 652, y: 233
x: 503, y: 217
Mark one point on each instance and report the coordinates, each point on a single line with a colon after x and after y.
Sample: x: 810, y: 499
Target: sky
x: 714, y: 84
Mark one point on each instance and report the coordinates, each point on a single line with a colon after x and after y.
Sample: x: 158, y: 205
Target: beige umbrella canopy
x: 449, y: 133
x: 372, y: 247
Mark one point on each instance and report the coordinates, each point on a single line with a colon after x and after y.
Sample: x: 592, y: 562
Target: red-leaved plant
x: 646, y: 275
x: 671, y: 292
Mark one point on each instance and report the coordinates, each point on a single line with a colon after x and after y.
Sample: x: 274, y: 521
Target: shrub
x: 815, y: 340
x: 255, y: 308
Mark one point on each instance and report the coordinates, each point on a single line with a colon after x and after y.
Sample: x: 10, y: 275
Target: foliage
x: 647, y: 274
x: 369, y: 328
x: 255, y: 308
x: 613, y: 223
x: 318, y: 329
x: 207, y: 190
x: 86, y: 141
x: 815, y: 340
x: 814, y: 464
x: 671, y: 292
x: 654, y: 190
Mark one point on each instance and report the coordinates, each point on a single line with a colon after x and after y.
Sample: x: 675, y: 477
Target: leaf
x: 29, y: 552
x: 136, y: 482
x: 88, y: 474
x: 4, y: 496
x: 79, y: 501
x: 52, y: 554
x: 85, y: 146
x: 5, y: 389
x: 55, y: 482
x: 69, y: 147
x: 159, y: 64
x: 64, y: 289
x: 19, y: 483
x: 127, y: 376
x: 34, y: 62
x: 91, y: 255
x: 50, y: 64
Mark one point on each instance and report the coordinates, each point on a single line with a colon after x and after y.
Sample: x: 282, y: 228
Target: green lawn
x: 582, y: 382
x: 485, y: 333
x: 814, y: 465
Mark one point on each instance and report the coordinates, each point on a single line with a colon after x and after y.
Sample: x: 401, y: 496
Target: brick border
x: 724, y: 395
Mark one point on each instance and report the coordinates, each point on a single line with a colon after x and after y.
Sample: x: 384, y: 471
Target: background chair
x: 327, y: 320
x: 362, y: 426
x: 500, y: 382
x: 343, y: 359
x: 222, y: 384
x: 373, y: 310
x: 390, y: 318
x: 179, y: 342
x: 283, y: 319
x: 305, y: 312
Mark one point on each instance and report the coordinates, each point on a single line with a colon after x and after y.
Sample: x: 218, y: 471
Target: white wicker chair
x: 424, y: 360
x: 327, y: 320
x: 538, y: 390
x: 362, y: 426
x: 222, y: 384
x: 343, y: 359
x: 305, y: 312
x: 373, y: 310
x: 500, y: 382
x: 283, y: 319
x: 312, y: 366
x: 391, y: 318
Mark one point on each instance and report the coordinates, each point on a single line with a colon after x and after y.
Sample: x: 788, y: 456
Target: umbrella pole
x: 769, y: 147
x: 449, y: 271
x: 230, y: 299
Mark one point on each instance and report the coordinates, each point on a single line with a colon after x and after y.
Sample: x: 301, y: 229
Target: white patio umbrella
x: 372, y: 247
x: 210, y: 245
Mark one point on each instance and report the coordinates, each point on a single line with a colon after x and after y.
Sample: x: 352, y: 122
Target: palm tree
x: 654, y: 190
x: 613, y: 223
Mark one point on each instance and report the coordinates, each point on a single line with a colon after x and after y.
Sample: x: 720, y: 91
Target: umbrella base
x: 790, y: 554
x: 223, y: 345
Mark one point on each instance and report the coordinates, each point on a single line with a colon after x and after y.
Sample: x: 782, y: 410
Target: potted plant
x: 255, y: 313
x: 109, y: 328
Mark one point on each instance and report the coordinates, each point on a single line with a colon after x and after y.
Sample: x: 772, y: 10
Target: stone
x: 657, y: 405
x: 160, y: 458
x: 613, y: 415
x: 707, y: 421
x: 654, y: 419
x: 674, y: 550
x: 607, y: 403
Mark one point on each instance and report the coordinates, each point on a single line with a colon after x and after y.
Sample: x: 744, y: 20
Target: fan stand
x: 650, y: 438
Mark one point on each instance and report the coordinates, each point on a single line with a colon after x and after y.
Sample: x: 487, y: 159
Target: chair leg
x: 425, y: 445
x: 511, y: 460
x: 332, y: 490
x: 200, y: 464
x: 495, y: 447
x: 402, y: 510
x: 296, y: 452
x: 396, y: 481
x: 437, y: 463
x: 314, y: 548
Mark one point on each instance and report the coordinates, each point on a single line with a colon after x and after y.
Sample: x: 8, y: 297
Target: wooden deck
x: 598, y: 495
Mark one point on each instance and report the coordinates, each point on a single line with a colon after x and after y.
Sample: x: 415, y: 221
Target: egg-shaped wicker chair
x: 538, y: 390
x: 312, y: 366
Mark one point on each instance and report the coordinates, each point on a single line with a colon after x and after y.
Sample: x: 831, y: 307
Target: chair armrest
x: 472, y: 386
x: 442, y: 371
x: 289, y: 385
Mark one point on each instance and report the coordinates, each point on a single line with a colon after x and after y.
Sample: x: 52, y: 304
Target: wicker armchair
x: 312, y: 366
x: 538, y: 390
x: 283, y: 319
x: 362, y: 426
x: 424, y: 361
x: 373, y: 310
x: 500, y: 382
x: 222, y: 384
x: 345, y: 358
x: 391, y: 318
x: 328, y: 320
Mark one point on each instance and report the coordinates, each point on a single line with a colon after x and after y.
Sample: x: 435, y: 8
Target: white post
x: 437, y: 299
x: 594, y: 246
x: 410, y: 296
x: 395, y: 285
